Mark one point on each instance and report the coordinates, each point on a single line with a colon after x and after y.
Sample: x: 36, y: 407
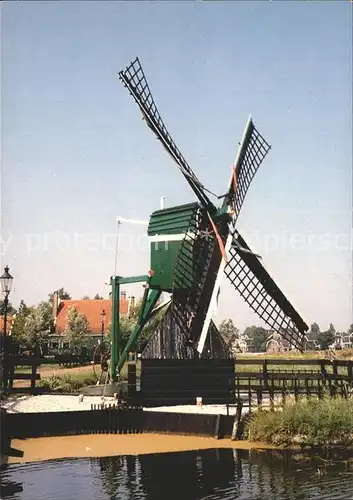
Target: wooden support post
x: 272, y: 396
x: 217, y: 426
x: 237, y: 420
x: 33, y: 378
x: 131, y: 381
x: 284, y: 393
x: 259, y: 396
x: 307, y: 389
x: 265, y: 374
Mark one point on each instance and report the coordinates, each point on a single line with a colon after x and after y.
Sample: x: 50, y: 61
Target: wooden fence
x: 114, y: 420
x: 110, y: 420
x: 256, y: 379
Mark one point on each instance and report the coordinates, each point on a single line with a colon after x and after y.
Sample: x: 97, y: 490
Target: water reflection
x: 208, y: 474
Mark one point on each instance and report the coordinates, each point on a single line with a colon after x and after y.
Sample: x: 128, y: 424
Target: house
x: 93, y: 310
x: 276, y: 343
x: 9, y: 322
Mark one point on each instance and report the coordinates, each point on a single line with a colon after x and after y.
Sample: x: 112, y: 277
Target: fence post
x: 237, y: 419
x: 272, y: 396
x: 217, y: 426
x: 265, y: 373
x: 131, y: 381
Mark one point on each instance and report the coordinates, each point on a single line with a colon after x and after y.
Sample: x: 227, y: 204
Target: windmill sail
x: 258, y: 289
x: 135, y: 81
x: 251, y: 153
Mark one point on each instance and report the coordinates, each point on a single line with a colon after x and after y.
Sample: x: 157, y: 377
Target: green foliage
x: 228, y: 331
x: 62, y: 294
x: 37, y: 325
x: 10, y: 309
x: 309, y: 422
x: 77, y: 328
x: 325, y: 339
x: 350, y: 329
x: 98, y: 297
x: 259, y: 335
x: 18, y: 328
x: 314, y: 331
x: 128, y: 323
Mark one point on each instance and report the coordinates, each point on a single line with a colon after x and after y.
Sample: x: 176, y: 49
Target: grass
x: 340, y: 354
x: 307, y: 422
x: 70, y: 380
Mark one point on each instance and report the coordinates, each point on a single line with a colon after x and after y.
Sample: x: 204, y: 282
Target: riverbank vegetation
x: 307, y: 422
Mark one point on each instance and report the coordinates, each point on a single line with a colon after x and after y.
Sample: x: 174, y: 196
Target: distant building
x: 9, y: 322
x: 276, y: 343
x: 92, y: 309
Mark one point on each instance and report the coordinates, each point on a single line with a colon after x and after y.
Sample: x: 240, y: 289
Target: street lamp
x: 103, y: 316
x: 6, y: 284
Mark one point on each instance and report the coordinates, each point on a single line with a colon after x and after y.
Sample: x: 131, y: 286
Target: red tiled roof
x: 8, y: 323
x: 92, y: 309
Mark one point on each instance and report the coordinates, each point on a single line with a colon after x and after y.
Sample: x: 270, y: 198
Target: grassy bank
x: 307, y: 422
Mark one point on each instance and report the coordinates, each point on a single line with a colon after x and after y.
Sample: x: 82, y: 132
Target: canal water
x: 207, y: 474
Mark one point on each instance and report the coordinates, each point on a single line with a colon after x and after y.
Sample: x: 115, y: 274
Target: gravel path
x: 49, y: 403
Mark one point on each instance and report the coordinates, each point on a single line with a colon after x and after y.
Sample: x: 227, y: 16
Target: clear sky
x: 75, y: 152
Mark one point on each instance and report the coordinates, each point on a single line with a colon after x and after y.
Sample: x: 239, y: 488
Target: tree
x: 350, y: 329
x: 77, y: 328
x: 85, y: 297
x: 331, y: 329
x: 228, y: 331
x: 325, y: 339
x: 18, y: 329
x: 10, y: 309
x: 314, y: 331
x: 128, y: 322
x: 62, y: 294
x: 98, y: 297
x: 259, y: 335
x: 37, y: 325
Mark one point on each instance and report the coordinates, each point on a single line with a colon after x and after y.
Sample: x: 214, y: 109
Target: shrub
x: 309, y: 422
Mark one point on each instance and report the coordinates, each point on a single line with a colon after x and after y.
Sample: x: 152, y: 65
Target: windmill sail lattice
x: 255, y: 285
x: 134, y: 79
x: 252, y: 153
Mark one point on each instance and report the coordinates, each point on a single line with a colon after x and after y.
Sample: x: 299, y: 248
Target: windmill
x: 194, y: 246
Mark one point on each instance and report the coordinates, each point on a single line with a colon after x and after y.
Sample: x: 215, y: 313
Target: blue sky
x: 75, y: 152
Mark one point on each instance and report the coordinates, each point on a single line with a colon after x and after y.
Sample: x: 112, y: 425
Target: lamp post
x: 6, y: 284
x: 103, y: 316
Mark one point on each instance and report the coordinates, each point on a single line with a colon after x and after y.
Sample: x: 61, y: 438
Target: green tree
x: 37, y: 325
x: 128, y: 322
x: 331, y: 329
x: 228, y: 331
x: 18, y: 328
x: 325, y: 339
x: 314, y: 331
x: 350, y: 329
x: 259, y: 336
x: 77, y: 328
x: 62, y: 294
x: 86, y: 297
x: 10, y: 309
x: 98, y: 297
